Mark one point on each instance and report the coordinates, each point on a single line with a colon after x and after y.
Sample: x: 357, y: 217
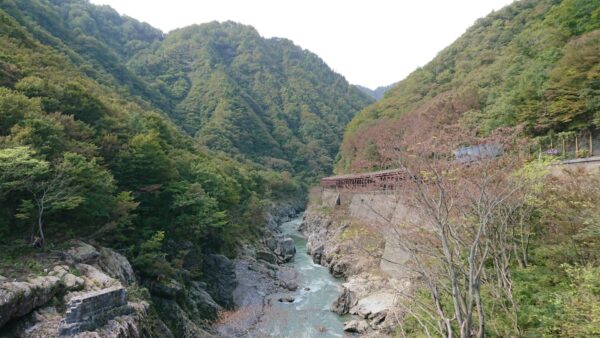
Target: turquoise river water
x: 308, y: 315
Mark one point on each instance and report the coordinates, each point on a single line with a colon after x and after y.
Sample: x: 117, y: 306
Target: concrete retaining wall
x: 382, y: 210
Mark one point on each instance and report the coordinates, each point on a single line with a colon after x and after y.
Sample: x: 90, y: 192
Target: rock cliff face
x: 188, y: 306
x: 256, y: 279
x: 353, y: 251
x: 96, y: 301
x: 258, y: 274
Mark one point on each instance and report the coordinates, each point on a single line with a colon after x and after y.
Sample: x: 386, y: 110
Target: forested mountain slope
x: 95, y: 38
x: 261, y: 99
x: 110, y: 166
x: 265, y: 99
x: 535, y: 63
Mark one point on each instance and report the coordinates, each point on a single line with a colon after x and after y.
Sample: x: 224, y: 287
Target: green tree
x: 18, y: 167
x: 13, y: 109
x: 75, y: 100
x: 151, y: 261
x: 195, y: 212
x: 143, y: 162
x: 53, y: 192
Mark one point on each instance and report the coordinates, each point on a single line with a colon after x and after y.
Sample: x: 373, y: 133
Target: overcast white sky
x: 371, y: 43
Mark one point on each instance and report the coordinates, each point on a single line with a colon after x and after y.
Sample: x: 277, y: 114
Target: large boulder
x: 374, y: 305
x: 220, y: 279
x: 356, y: 326
x: 344, y: 302
x: 96, y: 279
x: 116, y: 265
x: 81, y: 252
x: 20, y: 298
x: 200, y: 303
x: 286, y: 249
x: 283, y: 249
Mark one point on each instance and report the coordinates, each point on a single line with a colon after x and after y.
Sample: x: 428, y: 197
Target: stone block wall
x: 94, y: 309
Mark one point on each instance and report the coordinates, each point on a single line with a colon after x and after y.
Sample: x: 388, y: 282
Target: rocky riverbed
x: 260, y: 272
x: 330, y: 288
x: 351, y: 251
x: 305, y: 310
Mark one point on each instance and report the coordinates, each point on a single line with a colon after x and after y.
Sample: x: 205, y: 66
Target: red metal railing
x: 378, y: 180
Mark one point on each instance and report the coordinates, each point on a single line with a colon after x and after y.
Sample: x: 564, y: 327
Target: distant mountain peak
x: 376, y: 93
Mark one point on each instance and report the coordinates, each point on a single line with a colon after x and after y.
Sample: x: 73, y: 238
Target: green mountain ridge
x: 532, y: 63
x: 95, y: 38
x: 266, y: 99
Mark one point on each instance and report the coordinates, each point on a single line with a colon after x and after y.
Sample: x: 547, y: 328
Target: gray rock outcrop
x: 116, y: 265
x: 179, y: 320
x: 282, y: 212
x: 374, y: 305
x: 201, y: 304
x: 282, y: 249
x: 259, y: 284
x: 220, y: 279
x: 19, y: 298
x: 356, y: 326
x: 167, y: 289
x: 95, y: 278
x: 97, y: 304
x: 69, y: 280
x: 266, y: 256
x: 344, y: 302
x: 81, y: 252
x: 285, y: 250
x: 367, y: 293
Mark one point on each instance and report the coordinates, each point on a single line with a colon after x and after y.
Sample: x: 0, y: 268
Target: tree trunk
x: 40, y: 222
x: 41, y: 206
x: 480, y: 313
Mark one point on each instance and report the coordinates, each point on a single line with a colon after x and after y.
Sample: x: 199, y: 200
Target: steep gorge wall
x: 379, y: 210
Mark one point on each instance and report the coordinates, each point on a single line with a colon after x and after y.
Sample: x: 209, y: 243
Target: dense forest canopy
x: 533, y: 63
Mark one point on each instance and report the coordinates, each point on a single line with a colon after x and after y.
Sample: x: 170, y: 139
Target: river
x: 308, y: 315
